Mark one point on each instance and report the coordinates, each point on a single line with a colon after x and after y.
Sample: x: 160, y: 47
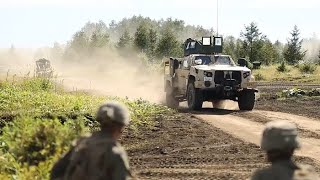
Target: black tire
x: 171, y: 101
x: 194, y: 97
x: 246, y: 100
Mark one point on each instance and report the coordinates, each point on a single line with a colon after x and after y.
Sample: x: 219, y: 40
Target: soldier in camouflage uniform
x: 279, y: 140
x: 98, y: 156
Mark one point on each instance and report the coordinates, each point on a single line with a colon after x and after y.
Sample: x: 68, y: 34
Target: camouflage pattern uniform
x: 97, y: 156
x: 282, y: 135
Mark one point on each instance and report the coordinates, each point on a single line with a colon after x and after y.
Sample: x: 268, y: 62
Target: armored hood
x: 222, y: 68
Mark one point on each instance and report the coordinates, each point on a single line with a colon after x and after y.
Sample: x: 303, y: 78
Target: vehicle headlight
x: 246, y: 74
x: 208, y: 74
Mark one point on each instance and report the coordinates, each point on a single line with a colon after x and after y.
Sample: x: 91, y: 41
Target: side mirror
x: 242, y: 62
x: 198, y: 61
x: 256, y: 65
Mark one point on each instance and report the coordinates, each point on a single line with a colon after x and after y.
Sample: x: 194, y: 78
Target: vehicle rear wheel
x: 194, y: 97
x: 246, y: 100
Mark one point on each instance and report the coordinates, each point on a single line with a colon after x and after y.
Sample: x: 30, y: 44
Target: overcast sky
x: 36, y: 23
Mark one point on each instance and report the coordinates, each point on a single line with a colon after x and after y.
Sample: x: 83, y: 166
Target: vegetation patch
x: 307, y: 68
x: 287, y: 73
x: 282, y: 67
x: 296, y: 92
x: 38, y: 123
x: 259, y: 77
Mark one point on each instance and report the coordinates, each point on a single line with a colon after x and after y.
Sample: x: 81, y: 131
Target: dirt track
x: 213, y: 144
x: 187, y: 148
x: 250, y: 131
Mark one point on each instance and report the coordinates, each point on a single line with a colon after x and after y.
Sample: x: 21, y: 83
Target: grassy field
x: 38, y: 122
x: 293, y: 74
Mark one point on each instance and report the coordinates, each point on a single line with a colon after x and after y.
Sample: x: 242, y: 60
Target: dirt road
x: 249, y: 129
x: 213, y: 144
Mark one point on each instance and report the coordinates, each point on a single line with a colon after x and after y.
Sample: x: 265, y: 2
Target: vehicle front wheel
x: 246, y: 100
x: 194, y: 97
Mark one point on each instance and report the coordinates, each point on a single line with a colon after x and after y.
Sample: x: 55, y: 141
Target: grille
x: 237, y: 76
x: 220, y: 78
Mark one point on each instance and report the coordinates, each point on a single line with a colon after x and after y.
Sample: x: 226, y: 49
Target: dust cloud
x: 312, y: 48
x: 110, y: 74
x: 16, y: 63
x: 225, y: 104
x: 104, y: 73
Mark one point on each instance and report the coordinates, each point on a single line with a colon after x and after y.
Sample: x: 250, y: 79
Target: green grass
x: 38, y: 122
x: 293, y: 74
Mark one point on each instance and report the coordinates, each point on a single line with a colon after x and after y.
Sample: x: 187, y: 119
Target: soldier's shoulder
x: 119, y: 155
x: 81, y: 139
x: 306, y: 171
x: 118, y: 149
x: 93, y: 140
x: 118, y: 152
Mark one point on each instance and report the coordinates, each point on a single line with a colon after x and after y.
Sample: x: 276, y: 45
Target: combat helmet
x: 113, y: 112
x: 279, y: 135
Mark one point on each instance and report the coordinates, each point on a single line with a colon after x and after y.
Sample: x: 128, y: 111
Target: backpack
x: 88, y: 152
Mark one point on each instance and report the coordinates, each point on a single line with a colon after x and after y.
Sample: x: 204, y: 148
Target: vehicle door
x: 183, y: 73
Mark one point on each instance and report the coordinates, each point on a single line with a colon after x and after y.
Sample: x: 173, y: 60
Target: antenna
x: 217, y: 17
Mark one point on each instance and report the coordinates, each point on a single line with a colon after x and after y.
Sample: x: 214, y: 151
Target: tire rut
x: 308, y: 127
x: 250, y: 131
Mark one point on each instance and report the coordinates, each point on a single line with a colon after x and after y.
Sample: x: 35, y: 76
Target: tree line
x: 164, y: 38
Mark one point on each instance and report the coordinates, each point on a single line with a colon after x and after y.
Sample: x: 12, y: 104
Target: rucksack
x: 88, y: 152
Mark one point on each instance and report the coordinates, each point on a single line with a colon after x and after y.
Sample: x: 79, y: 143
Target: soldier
x: 279, y: 140
x: 98, y: 156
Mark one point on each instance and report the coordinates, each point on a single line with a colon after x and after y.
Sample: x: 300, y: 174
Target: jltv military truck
x: 204, y: 74
x: 43, y: 68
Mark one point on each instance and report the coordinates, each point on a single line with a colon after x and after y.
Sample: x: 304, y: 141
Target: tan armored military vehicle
x: 204, y: 74
x: 44, y: 68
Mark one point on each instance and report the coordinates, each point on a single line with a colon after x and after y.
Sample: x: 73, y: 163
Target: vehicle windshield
x: 205, y: 59
x: 43, y: 64
x: 223, y: 60
x: 218, y: 60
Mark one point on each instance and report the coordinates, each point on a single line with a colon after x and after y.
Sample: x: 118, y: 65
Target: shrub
x: 282, y: 67
x: 259, y: 77
x: 307, y: 68
x: 34, y: 143
x: 249, y: 65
